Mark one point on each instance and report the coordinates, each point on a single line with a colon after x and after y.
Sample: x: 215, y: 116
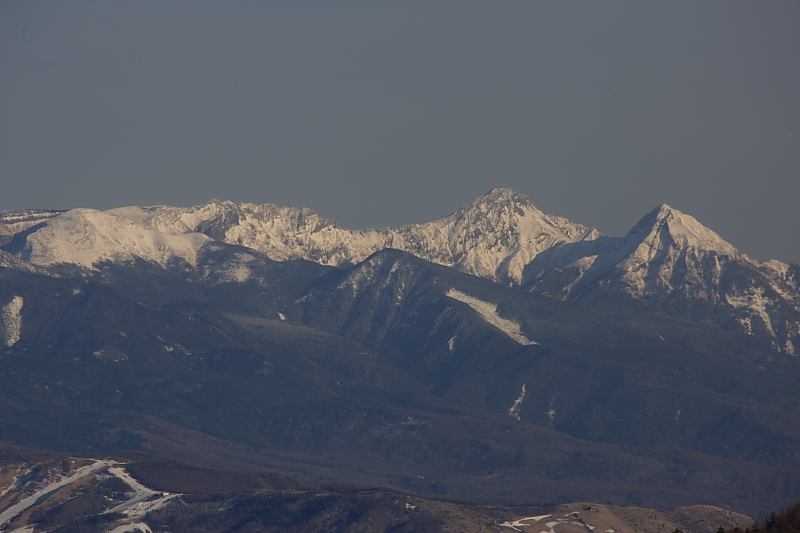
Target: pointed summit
x: 496, y: 235
x: 666, y: 226
x: 670, y: 251
x: 499, y: 198
x: 499, y: 194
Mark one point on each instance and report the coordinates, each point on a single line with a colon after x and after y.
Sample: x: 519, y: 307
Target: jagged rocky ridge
x: 668, y: 259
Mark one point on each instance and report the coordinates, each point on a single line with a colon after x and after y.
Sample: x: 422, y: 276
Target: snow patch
x: 236, y: 270
x: 488, y: 312
x: 241, y: 273
x: 516, y: 524
x: 754, y: 300
x: 12, y: 319
x: 789, y: 347
x: 132, y: 528
x: 517, y: 407
x: 552, y: 412
x: 169, y: 348
x: 17, y: 481
x: 747, y: 325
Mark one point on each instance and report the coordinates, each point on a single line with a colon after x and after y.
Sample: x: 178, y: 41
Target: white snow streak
x: 488, y: 312
x: 12, y: 318
x: 144, y: 500
x: 517, y: 407
x: 519, y: 523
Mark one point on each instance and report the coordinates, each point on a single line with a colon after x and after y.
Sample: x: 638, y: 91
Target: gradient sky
x: 390, y: 113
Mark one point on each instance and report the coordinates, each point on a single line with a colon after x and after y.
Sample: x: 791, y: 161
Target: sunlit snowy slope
x: 668, y: 259
x: 671, y: 260
x: 493, y: 237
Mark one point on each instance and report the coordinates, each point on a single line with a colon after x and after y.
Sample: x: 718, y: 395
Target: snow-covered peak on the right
x: 672, y: 261
x: 666, y: 226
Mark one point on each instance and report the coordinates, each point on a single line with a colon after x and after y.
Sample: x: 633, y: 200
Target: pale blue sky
x: 388, y: 113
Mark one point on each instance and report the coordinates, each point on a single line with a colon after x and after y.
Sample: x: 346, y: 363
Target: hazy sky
x: 389, y: 113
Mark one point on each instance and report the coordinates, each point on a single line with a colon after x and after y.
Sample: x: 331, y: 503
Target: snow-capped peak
x: 496, y: 235
x: 501, y: 195
x: 507, y: 207
x: 667, y: 249
x: 666, y: 226
x: 668, y: 255
x: 85, y: 237
x: 493, y: 236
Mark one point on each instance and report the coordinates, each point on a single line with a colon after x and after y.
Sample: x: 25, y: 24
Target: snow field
x: 12, y: 319
x: 488, y: 312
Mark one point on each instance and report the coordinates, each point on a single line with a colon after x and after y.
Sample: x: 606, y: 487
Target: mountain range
x: 501, y: 354
x: 668, y: 259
